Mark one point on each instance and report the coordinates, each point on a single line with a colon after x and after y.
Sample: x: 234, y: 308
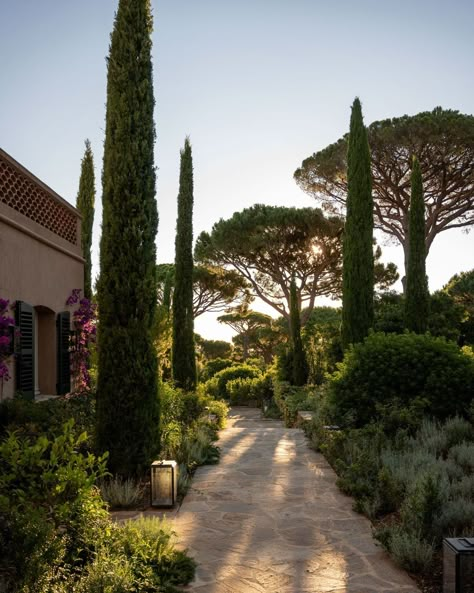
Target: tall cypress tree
x: 85, y: 204
x: 183, y: 352
x: 358, y: 258
x: 417, y: 297
x: 128, y: 411
x: 300, y: 366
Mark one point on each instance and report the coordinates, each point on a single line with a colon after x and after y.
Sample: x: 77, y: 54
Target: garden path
x: 270, y: 519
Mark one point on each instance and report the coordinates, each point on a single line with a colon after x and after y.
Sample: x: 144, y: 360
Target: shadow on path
x: 270, y: 519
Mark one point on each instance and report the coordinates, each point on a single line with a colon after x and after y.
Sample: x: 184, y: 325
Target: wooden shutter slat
x: 25, y: 361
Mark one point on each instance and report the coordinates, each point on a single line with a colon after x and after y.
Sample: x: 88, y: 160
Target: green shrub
x: 48, y: 417
x: 156, y: 564
x: 219, y: 409
x: 403, y: 368
x: 52, y: 511
x: 291, y: 399
x: 245, y: 391
x: 57, y: 535
x: 221, y: 378
x: 214, y: 366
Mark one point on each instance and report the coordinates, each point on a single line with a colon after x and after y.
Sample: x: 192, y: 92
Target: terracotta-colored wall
x: 40, y: 268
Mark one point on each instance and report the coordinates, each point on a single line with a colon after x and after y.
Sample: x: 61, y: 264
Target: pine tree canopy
x: 444, y: 142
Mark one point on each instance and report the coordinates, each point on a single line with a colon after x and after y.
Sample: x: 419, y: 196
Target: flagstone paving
x: 270, y: 519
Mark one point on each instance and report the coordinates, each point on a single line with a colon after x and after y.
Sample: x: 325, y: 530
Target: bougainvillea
x: 6, y: 323
x: 85, y: 327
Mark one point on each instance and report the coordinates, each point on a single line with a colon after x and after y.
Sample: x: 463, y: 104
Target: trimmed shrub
x: 243, y: 392
x: 389, y: 368
x: 221, y: 378
x: 214, y: 366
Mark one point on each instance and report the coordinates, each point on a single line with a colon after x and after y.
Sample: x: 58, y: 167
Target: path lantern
x: 458, y: 565
x: 164, y: 483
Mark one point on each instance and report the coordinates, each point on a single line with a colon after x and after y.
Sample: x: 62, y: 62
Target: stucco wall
x: 40, y: 268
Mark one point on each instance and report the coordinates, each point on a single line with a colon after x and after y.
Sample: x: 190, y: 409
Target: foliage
x: 262, y: 341
x: 121, y: 492
x: 213, y: 349
x: 322, y: 343
x: 50, y: 509
x: 417, y: 297
x: 279, y: 243
x: 401, y: 370
x: 358, y: 259
x: 419, y: 487
x: 299, y: 374
x: 446, y: 316
x: 156, y: 564
x: 48, y: 417
x: 410, y: 550
x: 183, y: 356
x: 214, y: 288
x: 221, y: 378
x: 6, y: 325
x: 246, y: 323
x: 127, y: 406
x: 84, y: 321
x: 249, y: 391
x: 442, y: 139
x: 85, y: 204
x: 290, y: 399
x: 460, y: 288
x: 214, y: 366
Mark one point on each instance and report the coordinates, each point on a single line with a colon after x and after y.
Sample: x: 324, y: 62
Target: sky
x: 258, y: 85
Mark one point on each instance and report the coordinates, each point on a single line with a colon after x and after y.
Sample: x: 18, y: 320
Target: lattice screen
x: 18, y: 192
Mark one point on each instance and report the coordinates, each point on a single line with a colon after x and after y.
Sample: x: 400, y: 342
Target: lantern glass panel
x: 164, y: 482
x: 466, y: 573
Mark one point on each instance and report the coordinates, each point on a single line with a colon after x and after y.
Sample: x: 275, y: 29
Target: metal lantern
x: 164, y: 483
x: 458, y: 565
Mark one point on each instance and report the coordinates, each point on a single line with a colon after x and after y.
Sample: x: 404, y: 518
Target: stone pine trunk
x: 127, y: 399
x: 358, y: 259
x: 417, y: 296
x: 183, y: 355
x: 85, y: 204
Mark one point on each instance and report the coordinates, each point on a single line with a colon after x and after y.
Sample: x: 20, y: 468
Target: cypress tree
x: 417, y: 296
x: 85, y: 204
x: 358, y: 259
x: 300, y: 366
x: 127, y: 401
x: 183, y: 352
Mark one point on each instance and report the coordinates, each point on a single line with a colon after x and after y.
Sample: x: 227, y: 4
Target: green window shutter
x: 63, y: 325
x: 25, y: 360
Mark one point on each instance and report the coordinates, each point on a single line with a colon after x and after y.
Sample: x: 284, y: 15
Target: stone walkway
x: 270, y: 519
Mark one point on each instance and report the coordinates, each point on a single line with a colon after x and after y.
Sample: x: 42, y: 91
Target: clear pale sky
x: 257, y: 84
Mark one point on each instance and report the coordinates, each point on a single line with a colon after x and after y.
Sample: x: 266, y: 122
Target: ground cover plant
x: 55, y: 530
x: 404, y: 447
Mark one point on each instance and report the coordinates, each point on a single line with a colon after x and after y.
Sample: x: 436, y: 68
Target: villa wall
x: 40, y: 259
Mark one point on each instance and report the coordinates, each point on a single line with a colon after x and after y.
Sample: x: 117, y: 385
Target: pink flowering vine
x: 6, y: 323
x: 84, y: 320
